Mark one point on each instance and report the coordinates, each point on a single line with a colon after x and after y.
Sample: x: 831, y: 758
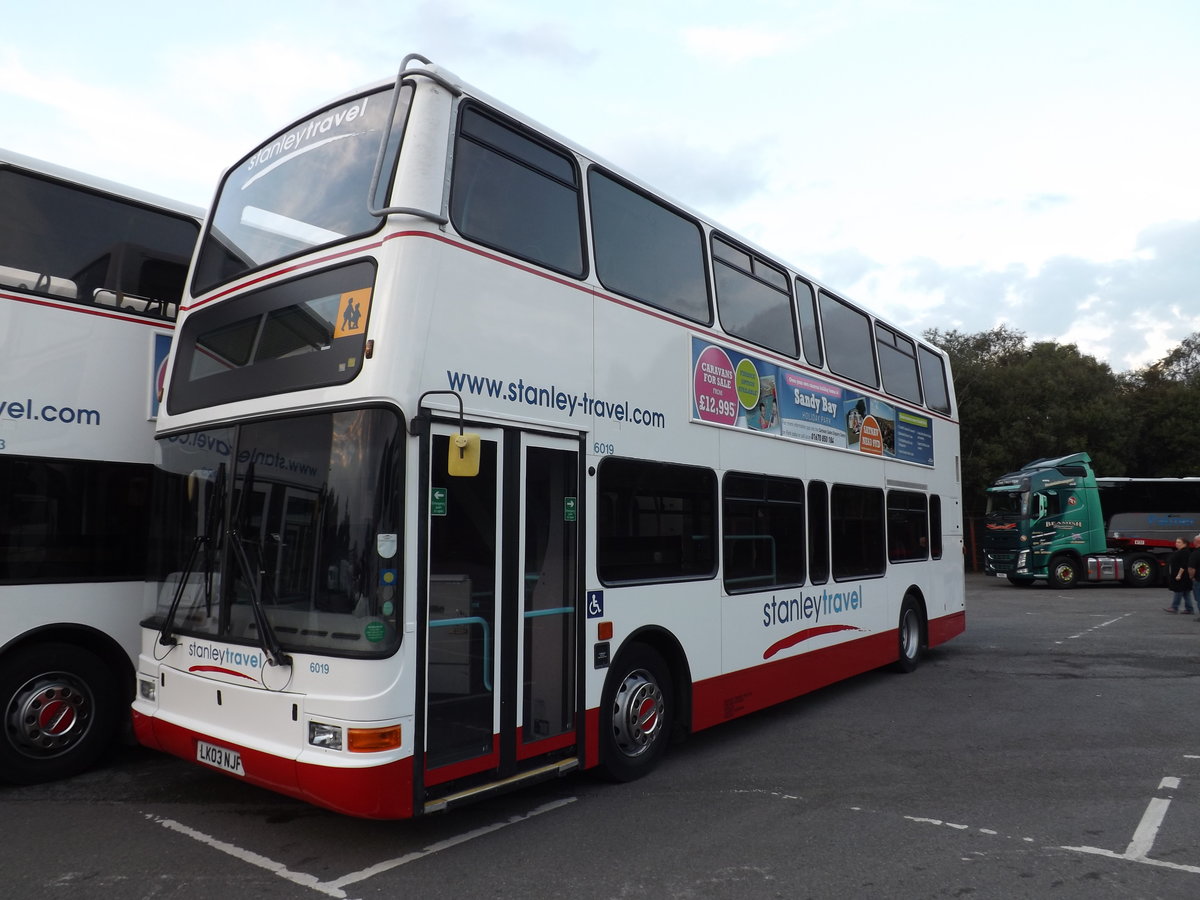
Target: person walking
x: 1194, y: 571
x: 1179, y: 582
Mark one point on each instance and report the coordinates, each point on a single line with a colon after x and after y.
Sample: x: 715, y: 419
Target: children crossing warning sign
x: 352, y: 313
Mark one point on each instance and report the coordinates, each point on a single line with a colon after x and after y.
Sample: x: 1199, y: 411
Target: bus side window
x: 516, y: 194
x: 849, y: 347
x: 665, y: 523
x: 818, y: 532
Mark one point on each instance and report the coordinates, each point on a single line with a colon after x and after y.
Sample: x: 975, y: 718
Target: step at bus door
x: 501, y: 622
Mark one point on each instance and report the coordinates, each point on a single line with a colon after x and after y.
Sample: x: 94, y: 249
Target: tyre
x: 61, y: 710
x: 911, y: 636
x: 636, y: 711
x: 1064, y: 572
x: 1022, y: 581
x: 1142, y: 571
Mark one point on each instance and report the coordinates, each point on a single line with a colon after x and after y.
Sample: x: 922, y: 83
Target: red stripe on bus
x: 221, y: 671
x: 806, y: 634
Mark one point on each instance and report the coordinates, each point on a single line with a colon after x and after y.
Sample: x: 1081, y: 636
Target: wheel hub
x: 637, y: 713
x: 48, y: 715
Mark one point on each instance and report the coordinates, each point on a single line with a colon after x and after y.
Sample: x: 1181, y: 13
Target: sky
x: 948, y: 164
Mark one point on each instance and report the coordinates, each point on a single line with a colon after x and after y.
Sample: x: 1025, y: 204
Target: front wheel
x: 61, y: 710
x: 635, y: 714
x: 1064, y: 572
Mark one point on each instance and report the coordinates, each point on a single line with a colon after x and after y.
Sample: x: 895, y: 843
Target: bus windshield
x: 304, y: 501
x: 306, y: 187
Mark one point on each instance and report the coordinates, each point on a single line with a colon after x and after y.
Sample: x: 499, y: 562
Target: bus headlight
x: 148, y: 689
x: 327, y: 737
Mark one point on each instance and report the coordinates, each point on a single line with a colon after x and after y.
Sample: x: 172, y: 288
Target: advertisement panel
x: 735, y: 389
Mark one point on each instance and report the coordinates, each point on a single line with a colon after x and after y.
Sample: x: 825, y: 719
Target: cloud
x: 735, y: 45
x: 1127, y: 312
x: 703, y: 177
x: 486, y: 32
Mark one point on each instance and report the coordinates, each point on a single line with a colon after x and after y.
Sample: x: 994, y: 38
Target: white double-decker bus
x: 91, y: 274
x: 492, y: 463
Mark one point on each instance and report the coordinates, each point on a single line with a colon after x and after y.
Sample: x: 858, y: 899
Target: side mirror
x: 463, y: 461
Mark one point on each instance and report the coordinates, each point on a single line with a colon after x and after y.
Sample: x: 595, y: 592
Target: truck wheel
x: 1020, y: 581
x: 635, y: 714
x: 61, y: 709
x: 1142, y: 571
x: 1064, y: 572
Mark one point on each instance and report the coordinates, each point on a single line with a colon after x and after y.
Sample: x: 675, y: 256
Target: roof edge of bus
x: 469, y: 89
x: 97, y: 183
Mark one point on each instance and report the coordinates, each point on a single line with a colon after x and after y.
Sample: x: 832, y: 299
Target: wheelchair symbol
x: 595, y: 604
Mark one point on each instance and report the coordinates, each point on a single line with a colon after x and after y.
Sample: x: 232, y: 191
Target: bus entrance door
x: 501, y: 618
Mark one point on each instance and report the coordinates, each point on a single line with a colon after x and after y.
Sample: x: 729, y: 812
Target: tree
x: 1019, y: 402
x: 1164, y: 403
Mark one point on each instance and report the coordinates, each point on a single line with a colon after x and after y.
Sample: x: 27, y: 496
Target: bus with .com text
x: 572, y: 468
x: 91, y: 274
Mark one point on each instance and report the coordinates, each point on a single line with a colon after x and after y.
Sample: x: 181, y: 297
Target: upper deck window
x: 646, y: 250
x: 753, y: 298
x: 61, y: 240
x: 306, y: 187
x: 517, y: 194
x: 848, y: 345
x: 933, y: 376
x: 898, y: 363
x: 810, y: 327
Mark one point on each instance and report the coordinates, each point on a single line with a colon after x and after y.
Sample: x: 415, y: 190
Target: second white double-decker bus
x: 494, y: 463
x: 91, y: 274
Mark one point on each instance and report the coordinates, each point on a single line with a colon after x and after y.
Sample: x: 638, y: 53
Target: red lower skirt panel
x: 941, y: 630
x: 377, y: 792
x: 726, y: 697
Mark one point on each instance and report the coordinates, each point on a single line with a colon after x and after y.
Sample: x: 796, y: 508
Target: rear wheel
x: 1142, y: 571
x: 61, y: 708
x: 911, y: 635
x: 635, y: 711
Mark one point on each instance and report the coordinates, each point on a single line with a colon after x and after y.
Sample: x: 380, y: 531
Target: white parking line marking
x: 335, y: 888
x: 248, y: 856
x: 1093, y: 628
x: 1144, y: 835
x: 382, y: 867
x: 1147, y: 830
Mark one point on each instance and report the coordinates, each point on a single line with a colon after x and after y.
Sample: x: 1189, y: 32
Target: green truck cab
x: 1053, y: 519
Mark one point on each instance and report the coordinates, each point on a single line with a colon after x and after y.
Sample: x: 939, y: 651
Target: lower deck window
x: 655, y: 521
x: 763, y: 532
x: 908, y: 526
x: 64, y: 520
x: 857, y: 532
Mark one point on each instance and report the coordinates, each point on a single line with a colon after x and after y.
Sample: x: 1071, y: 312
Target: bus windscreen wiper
x: 270, y: 642
x: 212, y: 521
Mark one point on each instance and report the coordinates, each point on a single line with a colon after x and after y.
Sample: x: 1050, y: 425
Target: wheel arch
x: 667, y: 646
x: 103, y: 645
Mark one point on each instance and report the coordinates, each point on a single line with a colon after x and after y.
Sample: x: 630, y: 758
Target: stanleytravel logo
x: 809, y: 610
x: 219, y: 659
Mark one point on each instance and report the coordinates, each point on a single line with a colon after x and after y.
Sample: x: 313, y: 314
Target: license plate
x: 219, y: 758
